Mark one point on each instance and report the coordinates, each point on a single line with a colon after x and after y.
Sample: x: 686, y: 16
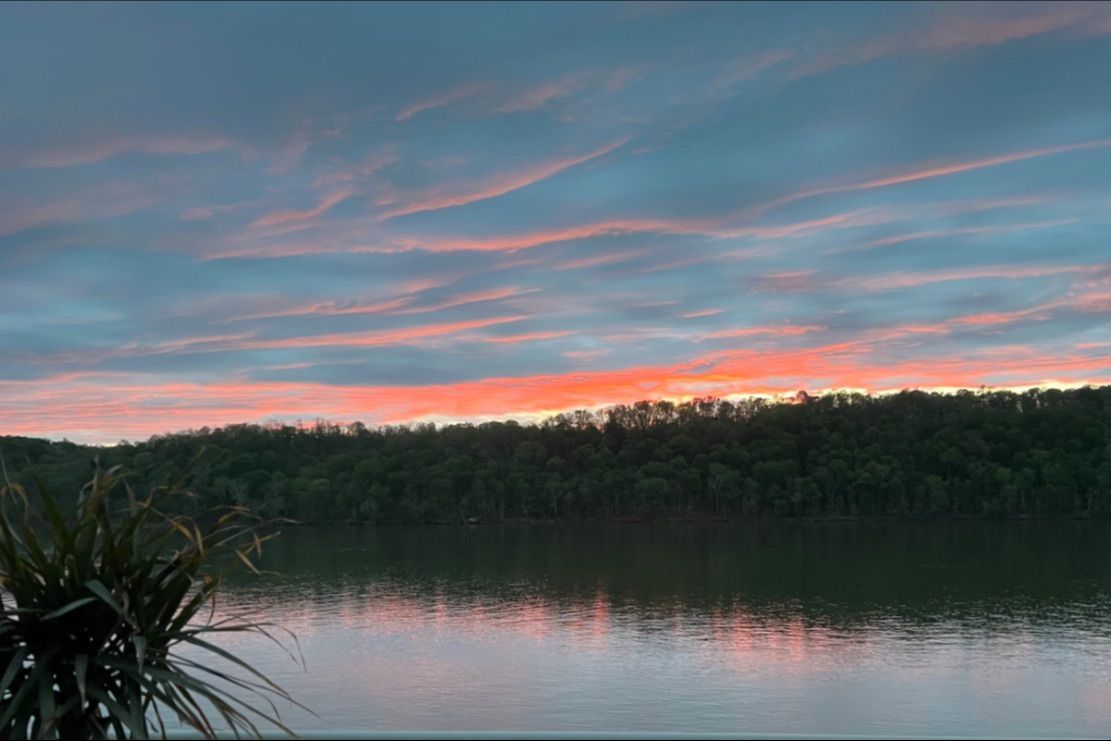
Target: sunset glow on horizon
x: 394, y: 213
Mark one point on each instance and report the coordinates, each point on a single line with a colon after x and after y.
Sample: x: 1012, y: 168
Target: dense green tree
x: 1039, y: 453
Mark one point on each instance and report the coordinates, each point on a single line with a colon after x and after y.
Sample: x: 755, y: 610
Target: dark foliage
x: 96, y: 601
x: 914, y: 454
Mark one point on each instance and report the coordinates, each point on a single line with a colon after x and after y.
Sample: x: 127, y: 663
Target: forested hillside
x: 914, y: 454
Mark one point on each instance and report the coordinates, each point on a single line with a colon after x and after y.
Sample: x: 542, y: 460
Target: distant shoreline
x: 912, y: 456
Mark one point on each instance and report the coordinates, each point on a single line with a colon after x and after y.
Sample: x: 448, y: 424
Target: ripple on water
x: 754, y: 629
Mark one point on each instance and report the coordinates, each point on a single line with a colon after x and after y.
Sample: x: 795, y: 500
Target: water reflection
x: 995, y: 628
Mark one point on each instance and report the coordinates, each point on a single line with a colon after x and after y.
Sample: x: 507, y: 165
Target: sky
x: 224, y: 213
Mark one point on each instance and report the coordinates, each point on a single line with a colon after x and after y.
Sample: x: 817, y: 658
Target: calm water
x: 857, y: 628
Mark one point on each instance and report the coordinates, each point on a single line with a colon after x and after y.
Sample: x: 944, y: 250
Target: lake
x: 971, y: 628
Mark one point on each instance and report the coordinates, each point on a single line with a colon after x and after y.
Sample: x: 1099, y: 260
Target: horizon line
x: 536, y: 418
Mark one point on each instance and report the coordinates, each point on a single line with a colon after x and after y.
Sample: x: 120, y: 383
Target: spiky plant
x: 95, y: 607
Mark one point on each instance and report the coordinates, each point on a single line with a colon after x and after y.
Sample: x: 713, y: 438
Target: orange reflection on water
x: 745, y: 638
x: 749, y: 640
x: 588, y: 622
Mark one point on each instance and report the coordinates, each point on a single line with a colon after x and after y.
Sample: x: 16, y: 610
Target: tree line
x: 1038, y: 453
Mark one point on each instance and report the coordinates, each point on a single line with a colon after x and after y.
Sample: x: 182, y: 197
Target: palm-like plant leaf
x: 94, y: 608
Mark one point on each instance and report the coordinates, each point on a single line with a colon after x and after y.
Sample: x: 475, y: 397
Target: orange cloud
x: 249, y: 341
x: 205, y: 343
x: 444, y: 99
x: 501, y: 243
x: 495, y: 294
x: 378, y: 338
x: 277, y: 218
x: 714, y: 227
x: 704, y: 312
x: 977, y: 164
x: 184, y: 343
x: 514, y: 339
x: 785, y: 281
x: 1039, y: 313
x: 1096, y: 302
x: 894, y: 281
x: 325, y: 308
x: 598, y: 260
x: 928, y: 173
x: 512, y: 243
x: 498, y: 186
x: 106, y: 407
x: 586, y: 355
x: 789, y: 330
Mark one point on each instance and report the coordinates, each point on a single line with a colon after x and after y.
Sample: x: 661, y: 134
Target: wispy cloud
x: 701, y: 313
x: 1078, y: 302
x: 466, y: 299
x: 139, y: 349
x: 957, y: 30
x: 289, y: 155
x: 784, y: 281
x: 515, y: 339
x: 748, y: 67
x: 540, y: 95
x: 529, y: 240
x: 345, y: 173
x: 901, y: 280
x: 787, y: 330
x: 586, y: 355
x: 928, y: 172
x: 201, y: 213
x: 499, y: 185
x: 595, y: 261
x: 966, y: 166
x: 182, y: 344
x: 964, y: 30
x: 279, y: 218
x: 966, y: 231
x: 716, y: 227
x: 971, y: 205
x: 325, y: 308
x: 88, y: 153
x: 107, y: 200
x: 439, y: 101
x: 380, y: 338
x: 250, y: 341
